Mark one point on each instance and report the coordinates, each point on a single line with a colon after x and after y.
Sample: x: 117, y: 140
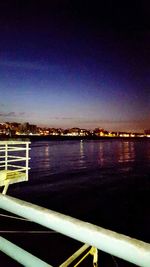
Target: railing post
x: 27, y: 160
x: 6, y: 185
x: 6, y: 156
x: 94, y: 253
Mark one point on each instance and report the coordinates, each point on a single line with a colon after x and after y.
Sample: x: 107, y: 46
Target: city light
x: 12, y: 129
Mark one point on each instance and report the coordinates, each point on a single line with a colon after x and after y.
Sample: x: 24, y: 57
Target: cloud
x: 11, y: 114
x: 7, y: 114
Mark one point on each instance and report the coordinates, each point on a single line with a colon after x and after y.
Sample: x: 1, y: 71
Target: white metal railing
x: 129, y: 249
x: 12, y: 153
x: 93, y: 236
x: 20, y: 255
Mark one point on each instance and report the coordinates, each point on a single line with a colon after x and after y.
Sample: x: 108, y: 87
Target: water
x: 106, y: 182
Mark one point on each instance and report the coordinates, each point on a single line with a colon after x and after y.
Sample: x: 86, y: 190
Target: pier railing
x: 93, y: 237
x: 118, y: 245
x: 14, y: 162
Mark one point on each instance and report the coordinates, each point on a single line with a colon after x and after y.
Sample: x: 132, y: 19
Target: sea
x: 105, y: 182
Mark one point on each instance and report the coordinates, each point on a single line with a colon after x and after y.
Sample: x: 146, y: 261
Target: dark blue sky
x: 75, y: 64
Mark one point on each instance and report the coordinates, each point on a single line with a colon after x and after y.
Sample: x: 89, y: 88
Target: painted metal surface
x: 75, y: 255
x: 20, y: 255
x: 10, y: 172
x: 119, y: 245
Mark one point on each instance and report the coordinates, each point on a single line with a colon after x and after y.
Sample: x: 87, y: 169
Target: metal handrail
x: 8, y: 160
x: 132, y: 250
x: 13, y: 142
x: 129, y: 249
x: 20, y: 255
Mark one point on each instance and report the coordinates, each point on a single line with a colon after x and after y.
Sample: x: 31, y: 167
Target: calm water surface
x: 105, y: 182
x: 92, y: 180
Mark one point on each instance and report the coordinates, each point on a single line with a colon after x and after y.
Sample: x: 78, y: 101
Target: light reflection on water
x: 50, y: 157
x: 126, y: 151
x: 101, y: 154
x: 82, y: 155
x: 105, y: 182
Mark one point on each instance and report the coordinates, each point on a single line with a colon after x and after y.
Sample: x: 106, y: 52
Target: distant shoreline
x: 63, y: 138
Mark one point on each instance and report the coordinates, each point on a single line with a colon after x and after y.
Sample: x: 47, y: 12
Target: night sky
x: 75, y: 63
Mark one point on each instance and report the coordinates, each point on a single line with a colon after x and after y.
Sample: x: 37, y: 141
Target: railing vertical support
x: 5, y: 187
x: 6, y: 156
x: 27, y: 160
x: 75, y: 255
x: 94, y: 253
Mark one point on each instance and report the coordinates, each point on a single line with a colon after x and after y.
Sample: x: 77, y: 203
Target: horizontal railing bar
x: 20, y: 255
x: 17, y: 157
x: 2, y: 149
x: 132, y: 250
x: 17, y: 166
x: 12, y: 149
x: 14, y: 142
x: 8, y: 146
x: 17, y: 148
x: 14, y: 160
